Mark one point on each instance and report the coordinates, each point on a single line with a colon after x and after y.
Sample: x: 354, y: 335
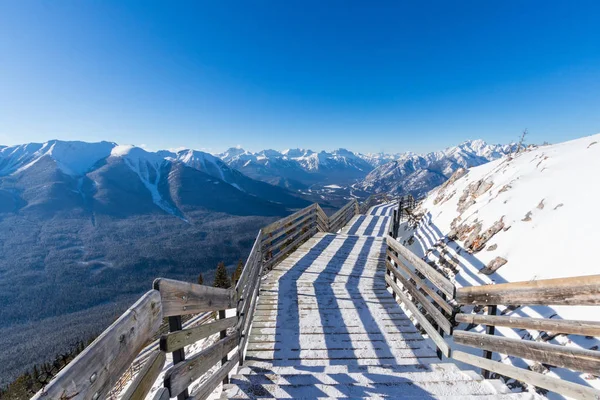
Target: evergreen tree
x: 36, y: 374
x: 200, y: 279
x: 221, y: 277
x: 237, y: 273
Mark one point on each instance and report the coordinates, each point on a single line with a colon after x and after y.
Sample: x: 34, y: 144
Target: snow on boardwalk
x: 327, y: 327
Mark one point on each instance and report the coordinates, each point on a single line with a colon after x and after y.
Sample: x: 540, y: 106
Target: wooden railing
x: 435, y: 304
x: 427, y: 287
x: 373, y: 200
x: 108, y: 361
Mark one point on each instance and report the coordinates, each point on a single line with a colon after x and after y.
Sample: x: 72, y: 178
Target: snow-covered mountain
x: 88, y: 226
x: 530, y: 216
x: 299, y: 168
x: 418, y: 174
x: 81, y: 167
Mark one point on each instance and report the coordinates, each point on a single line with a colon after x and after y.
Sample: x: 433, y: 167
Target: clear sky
x: 368, y: 76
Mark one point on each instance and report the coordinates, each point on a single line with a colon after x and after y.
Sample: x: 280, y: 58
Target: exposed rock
x: 471, y: 192
x: 559, y: 206
x: 476, y: 229
x: 459, y: 173
x: 483, y: 187
x: 504, y: 188
x: 493, y: 266
x: 476, y: 242
x: 591, y: 144
x: 527, y: 217
x: 492, y: 247
x: 541, y: 205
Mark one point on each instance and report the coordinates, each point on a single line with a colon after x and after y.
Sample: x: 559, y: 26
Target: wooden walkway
x: 326, y: 326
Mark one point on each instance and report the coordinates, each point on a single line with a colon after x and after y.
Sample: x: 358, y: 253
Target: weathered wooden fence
x: 435, y: 304
x: 107, y: 365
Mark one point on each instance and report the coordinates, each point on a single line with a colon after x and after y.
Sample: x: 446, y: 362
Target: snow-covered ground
x: 527, y: 217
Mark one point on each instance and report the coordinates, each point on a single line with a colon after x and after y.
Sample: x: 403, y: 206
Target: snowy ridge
x: 528, y: 217
x: 73, y: 158
x: 418, y: 174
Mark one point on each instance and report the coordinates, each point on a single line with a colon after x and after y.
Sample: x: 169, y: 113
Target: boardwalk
x: 326, y: 326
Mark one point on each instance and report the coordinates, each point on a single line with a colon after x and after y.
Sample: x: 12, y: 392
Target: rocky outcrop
x: 472, y: 192
x: 477, y: 242
x: 493, y: 266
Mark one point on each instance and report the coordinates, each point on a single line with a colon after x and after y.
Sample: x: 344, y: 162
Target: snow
x: 147, y: 166
x: 73, y: 157
x: 547, y: 200
x: 333, y: 186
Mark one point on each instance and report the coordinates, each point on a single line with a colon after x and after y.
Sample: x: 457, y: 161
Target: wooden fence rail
x: 424, y: 291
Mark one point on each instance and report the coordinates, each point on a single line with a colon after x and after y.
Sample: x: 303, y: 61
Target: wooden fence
x: 108, y: 363
x: 435, y: 304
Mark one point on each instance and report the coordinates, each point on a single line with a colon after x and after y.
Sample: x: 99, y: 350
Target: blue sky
x: 368, y: 76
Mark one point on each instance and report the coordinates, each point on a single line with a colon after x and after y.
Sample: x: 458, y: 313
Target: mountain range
x: 398, y: 174
x: 418, y: 174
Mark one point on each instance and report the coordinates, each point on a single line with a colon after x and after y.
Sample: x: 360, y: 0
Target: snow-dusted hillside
x: 532, y: 216
x: 418, y: 174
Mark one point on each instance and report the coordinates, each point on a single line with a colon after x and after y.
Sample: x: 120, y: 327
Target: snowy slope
x: 148, y: 166
x: 534, y: 216
x: 73, y: 158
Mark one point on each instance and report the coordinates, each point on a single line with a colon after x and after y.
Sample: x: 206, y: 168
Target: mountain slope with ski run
x: 527, y: 217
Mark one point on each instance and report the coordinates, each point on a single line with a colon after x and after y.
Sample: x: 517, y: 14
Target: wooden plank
x: 342, y: 210
x: 422, y: 284
x: 561, y: 356
x: 342, y: 221
x: 180, y: 298
x: 242, y: 307
x: 436, y: 314
x: 431, y: 331
x: 284, y: 253
x: 574, y: 327
x: 248, y: 323
x: 322, y: 219
x: 308, y: 224
x: 161, y: 394
x: 93, y: 373
x: 181, y: 375
x: 288, y: 230
x: 559, y: 386
x: 252, y: 257
x: 575, y: 291
x: 177, y: 340
x: 144, y: 380
x: 284, y: 221
x: 211, y: 383
x: 439, y: 280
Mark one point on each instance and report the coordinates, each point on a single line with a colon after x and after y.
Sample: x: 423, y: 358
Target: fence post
x: 490, y: 330
x: 223, y: 334
x: 441, y: 331
x: 175, y: 324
